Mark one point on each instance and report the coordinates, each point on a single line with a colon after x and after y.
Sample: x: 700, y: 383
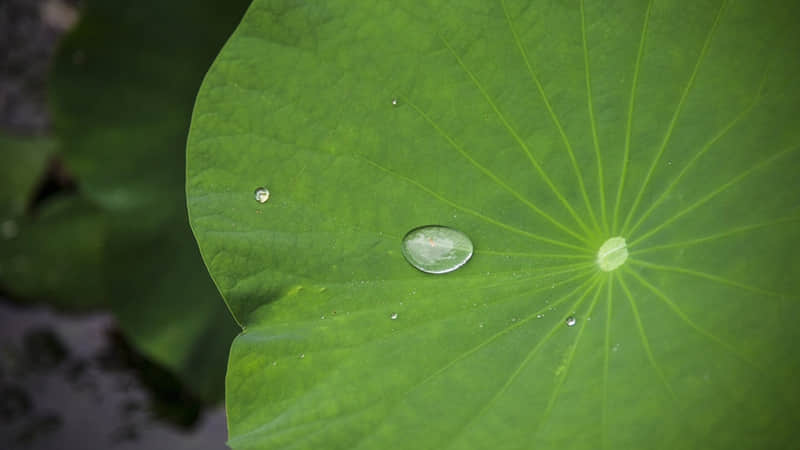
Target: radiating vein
x: 643, y: 336
x: 536, y: 255
x: 505, y: 330
x: 593, y: 122
x: 698, y: 155
x: 593, y: 280
x: 683, y: 316
x: 560, y: 129
x: 558, y: 325
x: 706, y: 276
x: 492, y: 176
x: 472, y: 211
x: 606, y: 347
x: 675, y: 115
x: 744, y: 174
x: 513, y: 326
x: 557, y: 388
x: 628, y: 128
x: 712, y: 237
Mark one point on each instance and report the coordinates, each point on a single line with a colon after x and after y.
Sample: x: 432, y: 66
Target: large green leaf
x: 123, y: 86
x: 540, y: 129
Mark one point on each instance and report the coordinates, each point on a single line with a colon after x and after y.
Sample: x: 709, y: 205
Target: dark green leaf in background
x: 25, y: 161
x: 122, y: 90
x: 540, y: 129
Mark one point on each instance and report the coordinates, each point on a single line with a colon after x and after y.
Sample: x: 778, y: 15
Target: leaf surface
x: 539, y: 129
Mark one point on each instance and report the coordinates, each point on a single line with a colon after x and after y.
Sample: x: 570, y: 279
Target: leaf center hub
x: 612, y: 254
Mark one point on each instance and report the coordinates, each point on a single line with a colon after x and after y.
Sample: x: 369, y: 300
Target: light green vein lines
x: 513, y: 326
x: 699, y: 154
x: 492, y: 176
x: 675, y: 115
x: 518, y: 370
x: 536, y: 255
x: 706, y: 276
x: 643, y: 336
x: 713, y: 237
x: 587, y: 75
x: 674, y: 307
x: 628, y: 128
x: 606, y: 347
x: 471, y: 211
x: 555, y: 120
x: 733, y: 181
x: 572, y: 350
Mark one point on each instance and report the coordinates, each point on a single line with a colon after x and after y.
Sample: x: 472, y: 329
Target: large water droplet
x: 612, y: 254
x: 437, y: 249
x: 261, y: 194
x: 571, y: 321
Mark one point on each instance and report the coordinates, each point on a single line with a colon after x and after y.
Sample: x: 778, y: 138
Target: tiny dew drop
x: 261, y: 194
x: 571, y: 321
x: 393, y: 316
x: 394, y: 101
x: 437, y: 249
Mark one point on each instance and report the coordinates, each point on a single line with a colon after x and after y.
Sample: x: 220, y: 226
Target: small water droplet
x: 261, y: 194
x: 513, y: 319
x: 302, y: 355
x: 539, y: 316
x: 322, y: 318
x: 436, y: 249
x: 669, y: 163
x: 481, y: 325
x: 394, y: 316
x: 571, y: 321
x: 274, y: 363
x: 615, y: 348
x: 394, y: 101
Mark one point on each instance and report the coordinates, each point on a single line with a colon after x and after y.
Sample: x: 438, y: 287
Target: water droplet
x: 394, y: 101
x: 612, y: 254
x: 322, y: 318
x: 302, y: 355
x: 539, y: 316
x: 274, y: 363
x: 437, y: 249
x: 394, y: 316
x: 615, y: 348
x: 513, y: 319
x: 480, y: 325
x: 669, y: 163
x: 571, y: 321
x: 261, y: 194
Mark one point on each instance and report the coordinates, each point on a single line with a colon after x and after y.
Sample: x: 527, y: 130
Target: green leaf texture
x: 540, y: 129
